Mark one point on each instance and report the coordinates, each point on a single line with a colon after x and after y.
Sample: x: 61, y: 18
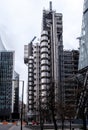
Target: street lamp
x: 22, y: 99
x: 22, y: 102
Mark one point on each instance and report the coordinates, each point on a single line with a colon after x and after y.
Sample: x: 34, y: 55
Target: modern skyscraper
x: 83, y: 57
x: 70, y: 68
x: 45, y: 61
x: 48, y: 64
x: 15, y: 114
x: 51, y: 51
x: 7, y: 90
x: 83, y: 65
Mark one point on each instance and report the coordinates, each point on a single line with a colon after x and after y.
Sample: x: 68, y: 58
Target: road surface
x: 12, y: 127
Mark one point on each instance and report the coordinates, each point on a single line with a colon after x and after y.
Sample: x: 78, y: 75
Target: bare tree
x: 51, y: 103
x: 70, y: 113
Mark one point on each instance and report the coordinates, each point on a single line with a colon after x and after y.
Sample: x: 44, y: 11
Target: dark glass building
x: 82, y: 108
x: 16, y: 111
x: 6, y: 89
x: 9, y: 89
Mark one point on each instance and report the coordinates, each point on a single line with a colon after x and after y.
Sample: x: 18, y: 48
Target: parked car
x: 35, y: 123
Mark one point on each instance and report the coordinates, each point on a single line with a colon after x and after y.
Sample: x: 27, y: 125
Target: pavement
x: 60, y: 129
x: 12, y: 127
x: 18, y: 128
x: 51, y: 127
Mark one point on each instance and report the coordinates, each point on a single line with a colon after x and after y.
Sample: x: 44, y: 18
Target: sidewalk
x: 18, y: 128
x: 38, y: 128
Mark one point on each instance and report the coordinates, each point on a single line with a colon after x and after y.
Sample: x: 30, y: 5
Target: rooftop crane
x: 33, y: 39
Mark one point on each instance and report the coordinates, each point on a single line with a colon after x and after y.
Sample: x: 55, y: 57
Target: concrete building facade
x: 70, y: 68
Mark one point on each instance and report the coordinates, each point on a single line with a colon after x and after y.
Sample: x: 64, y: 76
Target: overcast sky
x: 20, y: 21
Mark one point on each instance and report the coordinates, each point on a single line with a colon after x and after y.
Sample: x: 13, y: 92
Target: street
x: 5, y: 127
x: 12, y: 127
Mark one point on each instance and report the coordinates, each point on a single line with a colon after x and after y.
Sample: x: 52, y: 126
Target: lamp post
x: 22, y: 102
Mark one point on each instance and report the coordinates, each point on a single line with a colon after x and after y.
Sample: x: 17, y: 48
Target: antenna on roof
x: 50, y: 5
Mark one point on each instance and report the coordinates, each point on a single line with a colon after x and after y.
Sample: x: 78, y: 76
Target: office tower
x: 70, y: 68
x: 6, y: 76
x: 56, y: 65
x: 51, y: 51
x: 83, y: 57
x: 49, y: 65
x: 7, y: 93
x: 15, y: 114
x: 45, y: 61
x: 82, y: 108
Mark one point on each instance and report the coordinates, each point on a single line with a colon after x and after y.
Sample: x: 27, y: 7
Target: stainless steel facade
x: 46, y: 63
x: 30, y: 84
x: 36, y: 54
x: 45, y: 66
x: 52, y: 24
x: 32, y: 59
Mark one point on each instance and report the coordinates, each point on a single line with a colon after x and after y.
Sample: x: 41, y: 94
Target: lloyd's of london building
x: 49, y: 66
x: 44, y: 60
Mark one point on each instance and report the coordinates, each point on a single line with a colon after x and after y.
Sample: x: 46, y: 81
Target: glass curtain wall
x: 83, y: 57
